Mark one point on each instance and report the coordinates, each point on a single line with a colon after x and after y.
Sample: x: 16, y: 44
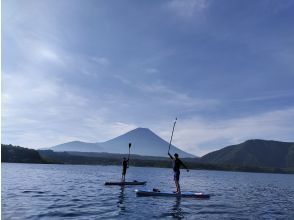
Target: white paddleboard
x: 171, y: 194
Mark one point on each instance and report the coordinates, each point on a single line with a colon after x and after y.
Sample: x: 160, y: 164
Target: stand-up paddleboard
x: 125, y: 183
x: 171, y: 194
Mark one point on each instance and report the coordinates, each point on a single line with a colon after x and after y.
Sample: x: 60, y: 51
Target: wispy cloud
x: 187, y: 8
x: 98, y: 127
x: 38, y: 112
x: 173, y: 97
x: 200, y: 136
x: 167, y: 98
x: 271, y: 96
x: 101, y: 61
x: 86, y: 74
x: 151, y: 70
x: 48, y: 54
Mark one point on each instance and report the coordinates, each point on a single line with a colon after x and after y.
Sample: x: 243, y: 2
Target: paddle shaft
x: 171, y: 138
x: 129, y: 150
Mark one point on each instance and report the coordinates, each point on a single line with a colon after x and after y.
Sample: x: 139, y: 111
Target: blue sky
x: 90, y: 70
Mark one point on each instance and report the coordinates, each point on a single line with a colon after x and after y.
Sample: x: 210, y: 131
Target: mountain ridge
x: 255, y: 152
x: 144, y: 142
x: 250, y: 156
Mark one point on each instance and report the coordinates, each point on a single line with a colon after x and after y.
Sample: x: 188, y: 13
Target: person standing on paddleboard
x: 177, y: 163
x: 125, y: 165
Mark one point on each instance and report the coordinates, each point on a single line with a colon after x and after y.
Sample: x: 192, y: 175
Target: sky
x: 91, y: 70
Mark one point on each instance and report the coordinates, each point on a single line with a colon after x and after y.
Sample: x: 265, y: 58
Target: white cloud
x: 187, y: 8
x: 35, y: 103
x: 151, y: 70
x: 200, y: 136
x: 101, y: 61
x: 123, y: 79
x: 172, y: 97
x: 87, y: 128
x: 39, y: 108
x: 98, y: 128
x: 118, y: 128
x: 39, y: 111
x: 48, y: 54
x: 269, y: 96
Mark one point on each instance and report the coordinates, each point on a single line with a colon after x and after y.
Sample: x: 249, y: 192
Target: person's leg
x: 178, y: 182
x: 178, y: 187
x: 175, y: 179
x: 123, y: 177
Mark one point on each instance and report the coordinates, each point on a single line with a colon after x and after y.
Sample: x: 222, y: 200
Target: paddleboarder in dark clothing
x: 177, y: 163
x: 125, y: 165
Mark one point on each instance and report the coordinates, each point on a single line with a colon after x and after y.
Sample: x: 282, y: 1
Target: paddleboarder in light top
x: 177, y: 163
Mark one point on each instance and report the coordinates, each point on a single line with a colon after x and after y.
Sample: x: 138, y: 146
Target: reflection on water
x: 176, y: 210
x: 121, y: 197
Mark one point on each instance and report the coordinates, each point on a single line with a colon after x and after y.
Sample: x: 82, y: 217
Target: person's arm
x: 171, y: 157
x: 184, y: 166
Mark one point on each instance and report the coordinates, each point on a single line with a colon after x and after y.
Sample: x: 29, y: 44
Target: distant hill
x: 15, y: 154
x: 69, y: 157
x: 78, y: 146
x: 23, y: 155
x: 254, y: 153
x: 144, y: 142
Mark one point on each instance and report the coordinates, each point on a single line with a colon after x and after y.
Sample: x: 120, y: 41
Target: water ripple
x: 31, y: 191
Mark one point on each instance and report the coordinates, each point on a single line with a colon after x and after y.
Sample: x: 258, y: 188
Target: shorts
x: 177, y: 176
x: 124, y: 171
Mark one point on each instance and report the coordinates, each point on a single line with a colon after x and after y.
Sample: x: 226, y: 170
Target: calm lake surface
x: 41, y: 191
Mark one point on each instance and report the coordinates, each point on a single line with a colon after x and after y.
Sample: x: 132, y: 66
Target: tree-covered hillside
x: 256, y: 153
x: 16, y: 154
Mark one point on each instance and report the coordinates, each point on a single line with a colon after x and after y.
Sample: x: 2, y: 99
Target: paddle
x: 130, y: 144
x: 171, y: 138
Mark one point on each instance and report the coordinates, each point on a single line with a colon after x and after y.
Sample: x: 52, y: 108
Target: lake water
x: 40, y: 191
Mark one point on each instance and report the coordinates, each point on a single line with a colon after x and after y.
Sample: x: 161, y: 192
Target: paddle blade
x: 130, y: 144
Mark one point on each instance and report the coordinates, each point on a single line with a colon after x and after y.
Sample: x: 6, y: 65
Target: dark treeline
x: 102, y: 159
x: 16, y: 154
x: 23, y: 155
x: 142, y: 161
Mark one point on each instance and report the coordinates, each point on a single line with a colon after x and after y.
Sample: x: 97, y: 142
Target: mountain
x: 144, y: 142
x: 254, y: 153
x: 16, y: 154
x: 78, y: 146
